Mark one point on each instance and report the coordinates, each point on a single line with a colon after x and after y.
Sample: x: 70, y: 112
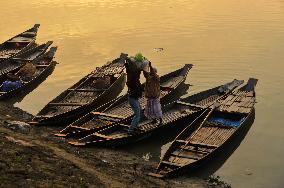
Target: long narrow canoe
x: 209, y: 133
x: 15, y: 63
x: 85, y: 95
x: 173, y: 115
x: 120, y: 109
x: 19, y: 43
x: 44, y: 65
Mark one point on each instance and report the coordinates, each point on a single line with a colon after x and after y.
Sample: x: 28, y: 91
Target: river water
x: 224, y: 39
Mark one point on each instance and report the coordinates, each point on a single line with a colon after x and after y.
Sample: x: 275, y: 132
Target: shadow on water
x: 154, y: 143
x: 19, y: 96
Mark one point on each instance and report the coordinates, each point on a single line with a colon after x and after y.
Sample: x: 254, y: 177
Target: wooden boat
x: 15, y: 63
x: 19, y: 43
x: 44, y: 64
x: 173, y: 115
x: 120, y: 110
x: 85, y: 95
x: 209, y: 133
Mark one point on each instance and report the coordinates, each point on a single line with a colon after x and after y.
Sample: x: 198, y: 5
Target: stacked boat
x: 15, y: 54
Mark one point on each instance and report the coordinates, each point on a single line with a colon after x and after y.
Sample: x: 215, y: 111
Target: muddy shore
x: 35, y: 158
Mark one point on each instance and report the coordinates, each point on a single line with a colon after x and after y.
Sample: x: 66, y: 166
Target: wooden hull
x: 68, y: 116
x: 114, y: 107
x: 16, y: 63
x: 208, y: 134
x: 174, y: 116
x: 198, y: 165
x: 26, y: 40
x: 27, y: 87
x: 176, y: 124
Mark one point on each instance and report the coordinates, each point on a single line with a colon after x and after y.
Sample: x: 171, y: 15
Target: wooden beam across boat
x: 172, y: 164
x: 41, y: 66
x: 108, y: 115
x: 86, y: 90
x: 103, y: 136
x: 197, y: 144
x: 66, y: 104
x: 189, y: 104
x: 202, y: 145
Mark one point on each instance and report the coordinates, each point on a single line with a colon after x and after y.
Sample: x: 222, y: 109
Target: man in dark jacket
x: 134, y: 85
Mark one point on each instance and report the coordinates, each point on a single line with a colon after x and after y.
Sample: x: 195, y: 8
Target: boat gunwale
x: 34, y: 79
x: 41, y: 48
x: 120, y: 78
x: 2, y: 45
x: 115, y: 102
x: 205, y: 157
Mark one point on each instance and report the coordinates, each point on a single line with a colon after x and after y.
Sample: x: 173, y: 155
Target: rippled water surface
x: 224, y: 39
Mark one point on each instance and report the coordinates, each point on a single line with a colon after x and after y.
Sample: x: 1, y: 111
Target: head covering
x: 142, y: 65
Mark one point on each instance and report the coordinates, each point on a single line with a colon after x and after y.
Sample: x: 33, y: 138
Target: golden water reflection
x: 224, y: 39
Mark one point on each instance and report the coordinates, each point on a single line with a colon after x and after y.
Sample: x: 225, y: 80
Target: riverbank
x: 33, y: 157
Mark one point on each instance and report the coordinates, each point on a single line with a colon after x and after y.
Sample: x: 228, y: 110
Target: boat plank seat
x: 22, y: 59
x: 39, y: 66
x: 77, y: 127
x: 181, y: 160
x: 120, y: 135
x: 196, y: 144
x: 189, y: 104
x: 172, y: 164
x: 86, y: 90
x: 192, y: 149
x: 108, y: 115
x: 44, y: 116
x: 123, y: 125
x: 181, y: 141
x: 103, y: 136
x: 2, y: 92
x: 19, y: 40
x: 60, y: 134
x: 66, y: 104
x: 183, y: 155
x: 71, y: 129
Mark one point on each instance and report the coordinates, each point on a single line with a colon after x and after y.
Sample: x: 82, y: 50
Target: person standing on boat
x: 133, y: 71
x: 153, y: 108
